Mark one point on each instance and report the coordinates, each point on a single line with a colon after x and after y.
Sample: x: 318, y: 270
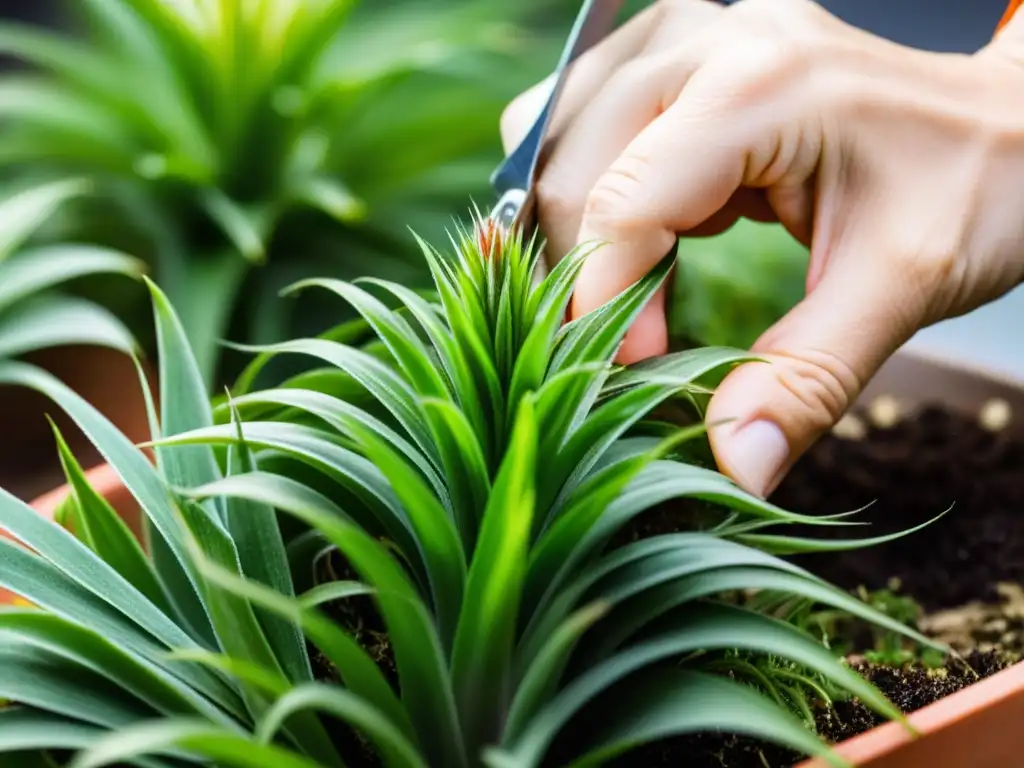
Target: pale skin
x: 902, y: 170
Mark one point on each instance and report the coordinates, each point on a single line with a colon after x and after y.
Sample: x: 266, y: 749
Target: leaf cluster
x: 285, y: 134
x: 34, y: 314
x: 471, y: 459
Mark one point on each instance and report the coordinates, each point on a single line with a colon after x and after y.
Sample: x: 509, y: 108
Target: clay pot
x: 106, y: 378
x: 978, y: 727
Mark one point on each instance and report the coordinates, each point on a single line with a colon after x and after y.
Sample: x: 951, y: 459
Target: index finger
x: 678, y: 172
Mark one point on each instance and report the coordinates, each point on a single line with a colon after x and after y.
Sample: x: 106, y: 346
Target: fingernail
x: 755, y: 455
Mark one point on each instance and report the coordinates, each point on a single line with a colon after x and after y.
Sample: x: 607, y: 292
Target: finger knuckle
x: 770, y: 63
x: 821, y: 384
x: 558, y: 200
x: 774, y: 9
x: 686, y: 9
x: 618, y: 201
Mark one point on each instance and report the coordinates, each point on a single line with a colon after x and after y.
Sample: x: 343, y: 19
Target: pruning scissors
x: 514, y: 179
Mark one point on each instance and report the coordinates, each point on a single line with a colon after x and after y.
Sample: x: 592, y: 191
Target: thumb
x: 818, y: 358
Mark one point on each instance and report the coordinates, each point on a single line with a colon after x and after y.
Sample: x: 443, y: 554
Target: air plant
x: 470, y: 461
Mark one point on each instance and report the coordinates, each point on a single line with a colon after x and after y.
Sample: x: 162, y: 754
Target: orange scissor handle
x: 1008, y: 13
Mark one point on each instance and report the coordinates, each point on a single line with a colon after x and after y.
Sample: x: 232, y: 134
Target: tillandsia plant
x: 469, y: 461
x: 289, y: 135
x: 33, y: 315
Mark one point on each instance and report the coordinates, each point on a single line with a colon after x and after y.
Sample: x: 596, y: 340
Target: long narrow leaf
x: 667, y: 703
x: 356, y: 669
x: 481, y: 660
x: 261, y: 556
x: 138, y: 475
x: 192, y: 736
x: 421, y: 666
x: 105, y: 533
x: 41, y: 584
x: 21, y: 214
x: 36, y: 269
x: 51, y: 320
x: 24, y: 729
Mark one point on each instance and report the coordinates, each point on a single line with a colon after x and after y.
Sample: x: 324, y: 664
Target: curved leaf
x: 22, y: 213
x: 313, y: 446
x: 51, y: 320
x: 422, y: 669
x: 195, y: 737
x: 33, y: 676
x: 103, y: 656
x: 381, y: 381
x: 36, y: 269
x: 105, y: 533
x: 339, y: 414
x: 702, y: 627
x: 469, y: 483
x: 396, y: 334
x: 671, y: 702
x: 394, y: 748
x: 138, y: 475
x: 26, y: 729
x: 543, y: 675
x: 451, y: 357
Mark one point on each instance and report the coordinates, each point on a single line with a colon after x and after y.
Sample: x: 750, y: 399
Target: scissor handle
x: 596, y: 18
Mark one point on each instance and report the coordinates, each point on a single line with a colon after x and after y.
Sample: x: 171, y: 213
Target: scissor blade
x: 595, y: 20
x: 510, y: 209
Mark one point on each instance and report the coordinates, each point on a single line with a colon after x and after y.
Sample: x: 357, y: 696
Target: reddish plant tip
x: 489, y: 238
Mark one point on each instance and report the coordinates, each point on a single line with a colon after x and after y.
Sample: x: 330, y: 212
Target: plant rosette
x: 238, y: 146
x: 470, y: 462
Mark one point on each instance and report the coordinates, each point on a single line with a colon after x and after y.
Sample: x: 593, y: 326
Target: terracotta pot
x: 106, y: 378
x: 978, y: 727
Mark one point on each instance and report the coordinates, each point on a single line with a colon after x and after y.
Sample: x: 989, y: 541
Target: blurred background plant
x: 237, y: 146
x: 42, y: 319
x: 34, y: 314
x: 732, y: 287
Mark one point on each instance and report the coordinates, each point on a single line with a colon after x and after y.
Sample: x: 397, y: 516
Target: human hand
x: 903, y: 170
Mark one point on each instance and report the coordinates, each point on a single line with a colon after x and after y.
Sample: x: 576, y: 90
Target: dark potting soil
x: 905, y: 475
x: 910, y: 473
x: 359, y: 617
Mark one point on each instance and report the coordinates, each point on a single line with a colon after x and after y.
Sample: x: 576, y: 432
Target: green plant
x: 848, y: 634
x: 469, y: 460
x: 288, y: 135
x: 33, y: 314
